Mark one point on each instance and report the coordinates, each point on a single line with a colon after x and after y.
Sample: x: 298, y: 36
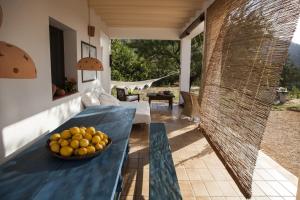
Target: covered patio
x: 246, y: 43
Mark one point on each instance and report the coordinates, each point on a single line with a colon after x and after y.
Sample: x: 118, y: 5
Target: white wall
x: 26, y: 107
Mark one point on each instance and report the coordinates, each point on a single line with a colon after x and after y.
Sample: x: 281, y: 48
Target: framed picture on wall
x: 86, y: 51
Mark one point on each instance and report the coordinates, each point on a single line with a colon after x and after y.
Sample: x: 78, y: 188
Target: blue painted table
x: 35, y: 174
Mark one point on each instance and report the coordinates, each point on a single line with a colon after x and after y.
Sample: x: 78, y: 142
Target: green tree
x: 290, y: 76
x: 196, y: 60
x: 136, y: 60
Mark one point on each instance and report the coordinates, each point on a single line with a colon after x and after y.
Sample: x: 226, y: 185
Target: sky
x: 296, y: 38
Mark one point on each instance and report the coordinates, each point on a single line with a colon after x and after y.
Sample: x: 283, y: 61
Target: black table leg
x: 171, y: 103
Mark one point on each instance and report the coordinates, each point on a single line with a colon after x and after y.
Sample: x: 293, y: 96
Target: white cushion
x: 89, y: 99
x: 107, y: 99
x: 142, y: 114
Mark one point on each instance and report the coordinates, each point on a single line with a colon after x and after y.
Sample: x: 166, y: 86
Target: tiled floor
x: 200, y: 173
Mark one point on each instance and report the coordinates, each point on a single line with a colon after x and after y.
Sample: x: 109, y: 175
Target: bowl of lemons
x: 77, y: 143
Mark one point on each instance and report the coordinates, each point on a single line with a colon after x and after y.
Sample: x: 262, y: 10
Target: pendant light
x: 14, y: 62
x: 89, y: 63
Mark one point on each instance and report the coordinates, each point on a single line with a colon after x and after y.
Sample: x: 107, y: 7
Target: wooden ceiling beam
x: 145, y: 17
x: 145, y: 3
x: 154, y: 11
x: 145, y: 25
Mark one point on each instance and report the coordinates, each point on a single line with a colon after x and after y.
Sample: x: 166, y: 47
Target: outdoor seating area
x: 150, y: 100
x: 200, y: 173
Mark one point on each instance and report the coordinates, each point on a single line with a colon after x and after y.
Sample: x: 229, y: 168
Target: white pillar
x: 185, y: 65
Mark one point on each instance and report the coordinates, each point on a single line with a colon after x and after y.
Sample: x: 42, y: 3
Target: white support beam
x: 185, y: 65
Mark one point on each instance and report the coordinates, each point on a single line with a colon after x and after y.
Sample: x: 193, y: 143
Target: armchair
x: 122, y: 95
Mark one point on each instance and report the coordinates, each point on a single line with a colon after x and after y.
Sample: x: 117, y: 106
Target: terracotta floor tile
x: 186, y: 189
x: 203, y: 198
x: 143, y: 174
x: 130, y: 174
x: 256, y: 176
x: 289, y: 186
x: 127, y: 198
x: 181, y: 174
x: 256, y: 191
x: 133, y: 163
x: 276, y: 198
x: 217, y: 198
x: 217, y: 174
x: 130, y: 188
x: 276, y: 174
x: 213, y: 189
x: 145, y: 188
x: 206, y: 175
x: 280, y: 189
x: 289, y: 198
x: 261, y: 198
x: 266, y: 188
x: 232, y: 198
x: 199, y: 189
x: 143, y: 163
x: 188, y: 198
x: 194, y: 174
x: 227, y: 189
x: 236, y: 189
x: 265, y: 175
x: 194, y: 163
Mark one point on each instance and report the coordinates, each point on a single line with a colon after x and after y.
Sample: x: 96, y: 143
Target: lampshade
x: 88, y: 63
x: 15, y: 63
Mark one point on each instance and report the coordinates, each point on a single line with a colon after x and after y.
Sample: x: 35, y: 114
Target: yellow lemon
x: 74, y: 144
x: 76, y: 152
x: 105, y: 140
x: 102, y: 143
x: 84, y: 143
x: 82, y: 131
x: 55, y: 136
x: 53, y: 142
x: 91, y: 130
x: 96, y: 139
x: 98, y: 133
x: 82, y: 151
x: 74, y: 130
x: 55, y: 148
x: 98, y: 147
x: 82, y: 127
x: 77, y: 136
x: 101, y: 136
x: 66, y: 134
x: 91, y: 149
x: 66, y: 151
x: 64, y: 143
x: 88, y: 136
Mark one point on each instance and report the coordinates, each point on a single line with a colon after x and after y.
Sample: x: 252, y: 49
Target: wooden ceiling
x: 146, y: 13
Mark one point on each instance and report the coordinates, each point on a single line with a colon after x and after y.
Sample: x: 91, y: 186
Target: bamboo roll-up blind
x: 246, y: 45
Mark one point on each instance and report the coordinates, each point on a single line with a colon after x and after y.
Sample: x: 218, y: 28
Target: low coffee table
x: 157, y: 96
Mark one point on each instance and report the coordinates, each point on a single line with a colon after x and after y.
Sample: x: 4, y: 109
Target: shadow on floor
x: 140, y: 136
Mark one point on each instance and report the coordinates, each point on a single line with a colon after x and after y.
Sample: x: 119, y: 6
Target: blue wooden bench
x: 163, y: 179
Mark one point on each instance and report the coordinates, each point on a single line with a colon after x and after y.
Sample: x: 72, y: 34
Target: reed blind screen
x: 246, y: 45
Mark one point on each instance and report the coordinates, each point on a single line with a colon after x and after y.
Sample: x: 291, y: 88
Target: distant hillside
x: 294, y: 54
